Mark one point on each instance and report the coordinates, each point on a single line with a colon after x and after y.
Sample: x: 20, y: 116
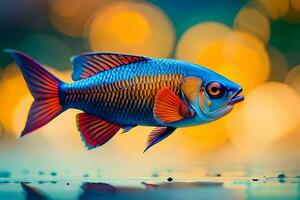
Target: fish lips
x: 237, y: 98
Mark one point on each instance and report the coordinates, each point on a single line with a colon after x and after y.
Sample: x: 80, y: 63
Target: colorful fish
x: 117, y: 91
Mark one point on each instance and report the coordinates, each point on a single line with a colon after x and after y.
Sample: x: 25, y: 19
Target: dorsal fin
x: 86, y: 65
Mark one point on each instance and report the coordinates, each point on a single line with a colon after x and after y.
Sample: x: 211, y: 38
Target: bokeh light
x: 197, y: 38
x: 238, y: 56
x: 136, y: 139
x: 59, y: 7
x: 13, y: 88
x: 274, y: 8
x: 253, y: 21
x: 131, y: 27
x: 20, y: 113
x: 55, y: 130
x: 44, y: 48
x: 270, y: 112
x: 16, y: 99
x: 279, y: 65
x: 295, y: 4
x: 293, y: 78
x: 293, y: 14
x: 206, y: 137
x: 70, y: 17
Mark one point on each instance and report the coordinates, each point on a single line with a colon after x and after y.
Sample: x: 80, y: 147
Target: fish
x: 119, y: 92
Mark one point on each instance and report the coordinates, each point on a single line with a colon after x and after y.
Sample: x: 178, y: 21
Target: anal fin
x: 127, y: 128
x: 95, y: 131
x: 157, y: 135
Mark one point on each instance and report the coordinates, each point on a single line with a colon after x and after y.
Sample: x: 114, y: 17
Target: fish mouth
x: 237, y: 98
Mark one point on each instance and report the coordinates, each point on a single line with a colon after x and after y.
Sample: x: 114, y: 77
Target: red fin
x: 89, y: 64
x: 41, y: 112
x: 149, y: 185
x: 32, y: 192
x: 100, y: 187
x: 94, y: 130
x: 157, y: 135
x: 169, y: 107
x: 44, y: 88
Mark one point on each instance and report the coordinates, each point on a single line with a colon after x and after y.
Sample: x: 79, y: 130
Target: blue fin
x: 157, y: 135
x: 127, y: 128
x: 88, y: 64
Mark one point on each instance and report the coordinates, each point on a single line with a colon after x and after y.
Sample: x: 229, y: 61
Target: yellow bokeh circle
x: 13, y: 88
x: 269, y: 113
x: 237, y: 55
x: 295, y: 4
x: 293, y: 78
x: 198, y: 37
x: 71, y: 16
x: 16, y: 98
x: 253, y: 21
x: 274, y: 8
x: 129, y: 21
x: 206, y: 137
x: 293, y: 15
x: 66, y: 8
x: 279, y: 65
x: 131, y: 27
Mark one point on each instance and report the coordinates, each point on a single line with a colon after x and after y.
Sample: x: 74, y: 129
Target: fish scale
x: 112, y: 95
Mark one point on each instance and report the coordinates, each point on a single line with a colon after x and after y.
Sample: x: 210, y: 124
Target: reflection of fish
x: 104, y: 187
x: 33, y: 193
x: 122, y: 91
x: 181, y: 185
x: 175, y: 190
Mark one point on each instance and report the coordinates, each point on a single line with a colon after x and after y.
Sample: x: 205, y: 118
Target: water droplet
x: 4, y: 174
x: 85, y: 175
x: 155, y: 174
x: 41, y: 173
x: 281, y: 176
x: 53, y: 173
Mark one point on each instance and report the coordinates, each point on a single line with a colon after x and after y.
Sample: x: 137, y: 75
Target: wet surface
x: 53, y: 186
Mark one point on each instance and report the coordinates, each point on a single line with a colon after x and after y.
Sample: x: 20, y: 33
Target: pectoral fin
x: 169, y: 107
x: 157, y: 135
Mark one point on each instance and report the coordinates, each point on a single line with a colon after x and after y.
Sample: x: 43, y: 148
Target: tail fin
x: 43, y: 87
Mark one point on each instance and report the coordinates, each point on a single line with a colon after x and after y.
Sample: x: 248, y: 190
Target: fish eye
x: 215, y: 90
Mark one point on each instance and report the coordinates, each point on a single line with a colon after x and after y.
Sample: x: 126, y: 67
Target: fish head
x: 216, y: 97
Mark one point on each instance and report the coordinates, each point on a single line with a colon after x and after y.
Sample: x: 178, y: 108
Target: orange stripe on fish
x: 190, y: 87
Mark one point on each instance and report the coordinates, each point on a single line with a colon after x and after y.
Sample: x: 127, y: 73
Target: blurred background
x: 254, y: 43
